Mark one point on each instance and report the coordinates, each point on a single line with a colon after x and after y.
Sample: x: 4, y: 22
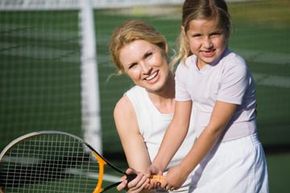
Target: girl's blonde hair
x: 130, y: 31
x: 200, y: 9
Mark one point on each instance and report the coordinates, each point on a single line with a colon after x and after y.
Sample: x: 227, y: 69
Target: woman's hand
x: 141, y: 182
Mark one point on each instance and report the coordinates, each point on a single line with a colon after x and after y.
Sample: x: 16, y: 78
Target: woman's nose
x: 146, y: 68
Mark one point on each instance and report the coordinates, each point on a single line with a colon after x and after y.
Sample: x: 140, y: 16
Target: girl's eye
x: 215, y: 34
x: 195, y: 36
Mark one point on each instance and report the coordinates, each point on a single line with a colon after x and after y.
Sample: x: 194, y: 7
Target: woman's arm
x: 133, y: 144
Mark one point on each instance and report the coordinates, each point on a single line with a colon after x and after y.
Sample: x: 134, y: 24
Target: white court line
x: 265, y: 57
x: 271, y: 80
x: 23, y: 160
x: 26, y: 31
x: 30, y: 161
x: 107, y: 177
x: 43, y: 53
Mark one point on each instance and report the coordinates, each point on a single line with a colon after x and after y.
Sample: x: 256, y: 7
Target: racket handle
x: 131, y: 177
x: 155, y: 178
x: 158, y: 179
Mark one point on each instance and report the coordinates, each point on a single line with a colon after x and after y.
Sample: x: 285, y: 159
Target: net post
x: 91, y: 121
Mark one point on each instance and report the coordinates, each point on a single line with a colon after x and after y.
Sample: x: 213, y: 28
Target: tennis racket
x: 55, y: 162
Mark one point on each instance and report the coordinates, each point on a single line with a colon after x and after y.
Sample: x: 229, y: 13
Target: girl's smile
x: 206, y: 40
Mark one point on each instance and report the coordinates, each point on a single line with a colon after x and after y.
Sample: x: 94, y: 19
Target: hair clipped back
x: 206, y: 9
x: 201, y: 9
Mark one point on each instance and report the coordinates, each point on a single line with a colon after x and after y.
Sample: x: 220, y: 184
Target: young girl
x: 227, y: 156
x: 144, y: 111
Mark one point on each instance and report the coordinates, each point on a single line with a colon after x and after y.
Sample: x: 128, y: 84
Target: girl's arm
x: 133, y: 144
x: 221, y: 115
x: 174, y: 136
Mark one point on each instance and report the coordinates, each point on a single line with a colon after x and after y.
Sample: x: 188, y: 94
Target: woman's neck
x: 164, y: 98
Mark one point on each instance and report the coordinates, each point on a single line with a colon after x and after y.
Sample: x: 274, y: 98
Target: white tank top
x: 153, y: 124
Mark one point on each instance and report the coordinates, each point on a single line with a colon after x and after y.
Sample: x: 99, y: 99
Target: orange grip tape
x: 158, y: 179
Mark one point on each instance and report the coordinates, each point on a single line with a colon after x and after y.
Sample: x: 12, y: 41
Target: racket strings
x: 49, y: 163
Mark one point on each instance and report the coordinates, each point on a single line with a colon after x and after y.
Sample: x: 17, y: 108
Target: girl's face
x: 206, y: 40
x: 145, y: 64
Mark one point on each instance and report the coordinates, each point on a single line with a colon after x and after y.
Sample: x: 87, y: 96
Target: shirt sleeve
x: 181, y: 93
x: 234, y: 82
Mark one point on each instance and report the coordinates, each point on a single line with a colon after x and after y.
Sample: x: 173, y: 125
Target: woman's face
x: 206, y: 40
x: 145, y: 64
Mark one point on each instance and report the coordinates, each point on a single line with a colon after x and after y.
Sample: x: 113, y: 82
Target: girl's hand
x: 140, y: 183
x: 175, y: 177
x: 154, y: 170
x: 155, y: 183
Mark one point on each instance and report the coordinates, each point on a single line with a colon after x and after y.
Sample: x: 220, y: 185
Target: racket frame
x: 101, y: 160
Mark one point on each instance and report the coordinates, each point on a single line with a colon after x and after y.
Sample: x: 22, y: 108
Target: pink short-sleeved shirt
x: 227, y: 80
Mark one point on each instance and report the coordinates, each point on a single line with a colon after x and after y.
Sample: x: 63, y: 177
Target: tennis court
x: 40, y: 83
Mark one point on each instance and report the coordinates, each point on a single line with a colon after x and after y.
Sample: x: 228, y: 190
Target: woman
x: 145, y: 110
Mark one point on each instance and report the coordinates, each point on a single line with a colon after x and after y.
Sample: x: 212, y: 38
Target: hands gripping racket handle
x: 155, y: 180
x: 158, y: 180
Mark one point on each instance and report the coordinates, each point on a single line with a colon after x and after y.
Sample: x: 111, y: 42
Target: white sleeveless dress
x: 153, y: 124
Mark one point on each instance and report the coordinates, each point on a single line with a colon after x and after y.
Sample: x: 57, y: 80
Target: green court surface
x: 279, y: 172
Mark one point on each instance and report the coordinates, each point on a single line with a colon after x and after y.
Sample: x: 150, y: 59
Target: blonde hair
x: 130, y: 31
x: 200, y: 9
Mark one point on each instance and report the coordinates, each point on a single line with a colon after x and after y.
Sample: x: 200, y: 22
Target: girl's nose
x: 208, y: 43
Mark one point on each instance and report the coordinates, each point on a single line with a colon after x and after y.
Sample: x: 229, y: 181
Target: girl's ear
x: 182, y: 30
x: 166, y: 48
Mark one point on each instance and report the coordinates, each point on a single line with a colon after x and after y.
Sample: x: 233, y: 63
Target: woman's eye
x: 196, y: 35
x: 133, y: 65
x: 148, y: 55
